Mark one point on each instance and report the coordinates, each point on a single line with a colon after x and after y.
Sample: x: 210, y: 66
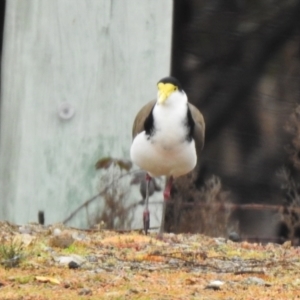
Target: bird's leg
x: 167, y: 191
x: 146, y: 213
x: 167, y: 194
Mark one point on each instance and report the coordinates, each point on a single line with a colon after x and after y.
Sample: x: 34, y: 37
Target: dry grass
x: 116, y: 213
x: 289, y: 227
x: 212, y: 218
x: 134, y: 266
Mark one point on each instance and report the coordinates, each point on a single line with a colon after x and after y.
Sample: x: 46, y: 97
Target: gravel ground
x: 51, y: 262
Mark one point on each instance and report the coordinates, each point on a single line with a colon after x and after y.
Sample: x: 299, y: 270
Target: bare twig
x: 89, y: 201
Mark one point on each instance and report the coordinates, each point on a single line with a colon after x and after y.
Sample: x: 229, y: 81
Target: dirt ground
x: 56, y: 262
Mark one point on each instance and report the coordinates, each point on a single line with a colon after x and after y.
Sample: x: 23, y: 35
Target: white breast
x: 167, y: 151
x: 169, y: 122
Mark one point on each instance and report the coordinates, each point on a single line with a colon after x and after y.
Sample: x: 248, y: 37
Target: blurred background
x: 75, y: 72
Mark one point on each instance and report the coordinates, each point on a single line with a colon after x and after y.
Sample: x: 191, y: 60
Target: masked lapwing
x: 168, y: 136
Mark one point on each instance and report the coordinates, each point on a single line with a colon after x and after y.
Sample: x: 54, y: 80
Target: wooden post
x: 74, y: 74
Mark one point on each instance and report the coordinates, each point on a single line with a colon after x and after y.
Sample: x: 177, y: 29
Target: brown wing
x: 199, y: 131
x: 138, y: 124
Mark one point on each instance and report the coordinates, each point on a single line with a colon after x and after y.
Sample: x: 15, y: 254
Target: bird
x: 167, y: 138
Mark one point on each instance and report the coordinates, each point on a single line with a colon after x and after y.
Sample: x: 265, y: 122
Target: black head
x: 171, y: 80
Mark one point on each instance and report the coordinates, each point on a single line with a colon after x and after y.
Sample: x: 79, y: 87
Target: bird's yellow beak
x: 164, y: 91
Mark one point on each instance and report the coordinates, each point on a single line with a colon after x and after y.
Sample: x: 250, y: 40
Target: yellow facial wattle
x: 164, y: 91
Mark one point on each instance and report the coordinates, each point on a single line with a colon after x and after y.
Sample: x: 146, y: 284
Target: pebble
x: 255, y: 280
x: 85, y: 291
x: 56, y: 231
x: 79, y: 236
x: 233, y: 236
x: 25, y: 229
x: 215, y: 285
x: 173, y: 262
x: 97, y: 271
x: 73, y: 265
x: 220, y: 241
x: 66, y: 260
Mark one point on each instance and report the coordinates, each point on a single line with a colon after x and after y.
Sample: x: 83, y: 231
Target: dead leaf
x: 47, y: 279
x: 124, y: 164
x: 154, y: 258
x: 104, y: 163
x: 190, y: 281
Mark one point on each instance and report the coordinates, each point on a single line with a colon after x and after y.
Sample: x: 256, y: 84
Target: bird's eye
x: 175, y: 88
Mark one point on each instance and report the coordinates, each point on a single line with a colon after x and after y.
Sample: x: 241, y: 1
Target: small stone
x: 66, y: 285
x: 173, y: 262
x: 49, y: 249
x: 215, y: 285
x: 220, y: 241
x: 65, y: 260
x: 85, y: 291
x: 255, y: 280
x: 78, y: 236
x: 73, y: 265
x: 233, y: 236
x: 98, y: 270
x: 25, y: 229
x: 56, y: 231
